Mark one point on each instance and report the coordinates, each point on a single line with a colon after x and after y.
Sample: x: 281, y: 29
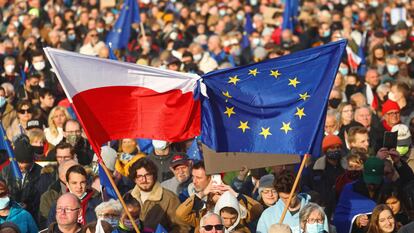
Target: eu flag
x: 194, y: 152
x: 104, y: 179
x: 5, y: 145
x: 248, y: 30
x: 275, y: 106
x: 120, y: 33
x: 289, y: 14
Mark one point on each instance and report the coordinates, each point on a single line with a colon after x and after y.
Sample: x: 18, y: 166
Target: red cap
x: 329, y: 141
x: 389, y: 105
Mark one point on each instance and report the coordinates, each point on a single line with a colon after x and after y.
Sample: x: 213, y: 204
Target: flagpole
x: 295, y: 184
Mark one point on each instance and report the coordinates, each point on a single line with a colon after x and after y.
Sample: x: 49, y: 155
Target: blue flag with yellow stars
x: 121, y: 31
x: 5, y: 145
x: 276, y: 106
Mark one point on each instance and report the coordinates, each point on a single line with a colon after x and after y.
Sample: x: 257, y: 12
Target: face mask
x: 16, y: 24
x: 71, y: 37
x: 159, y: 145
x: 327, y: 33
x: 314, y: 228
x: 350, y: 89
x: 403, y: 150
x: 72, y: 139
x: 11, y: 34
x: 4, y: 202
x: 256, y: 42
x: 128, y: 224
x: 34, y: 87
x: 9, y: 68
x: 3, y: 101
x: 109, y: 19
x: 99, y: 30
x: 197, y: 57
x: 392, y: 69
x: 343, y: 70
x: 334, y: 102
x: 41, y: 84
x: 112, y: 221
x: 392, y: 97
x: 222, y: 12
x: 335, y: 155
x: 38, y: 150
x: 39, y: 65
x: 253, y: 2
x: 344, y: 2
x: 240, y: 17
x: 353, y: 175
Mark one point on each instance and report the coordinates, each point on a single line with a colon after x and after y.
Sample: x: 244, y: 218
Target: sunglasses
x: 218, y: 227
x: 23, y: 111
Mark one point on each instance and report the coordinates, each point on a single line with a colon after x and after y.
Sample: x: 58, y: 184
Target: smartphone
x: 390, y: 140
x: 216, y: 179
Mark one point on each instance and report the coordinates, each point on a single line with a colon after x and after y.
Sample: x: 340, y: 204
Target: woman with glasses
x: 311, y: 219
x: 267, y: 192
x: 57, y: 116
x: 24, y: 114
x: 382, y: 220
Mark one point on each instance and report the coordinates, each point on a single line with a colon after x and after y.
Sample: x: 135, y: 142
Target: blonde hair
x: 52, y: 127
x: 36, y: 134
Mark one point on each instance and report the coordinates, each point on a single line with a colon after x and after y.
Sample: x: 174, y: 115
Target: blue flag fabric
x: 289, y: 14
x: 22, y: 76
x: 120, y: 33
x: 112, y: 55
x: 145, y: 145
x: 160, y: 229
x: 362, y: 68
x: 248, y: 29
x: 5, y: 145
x: 194, y: 152
x: 106, y: 183
x: 275, y: 106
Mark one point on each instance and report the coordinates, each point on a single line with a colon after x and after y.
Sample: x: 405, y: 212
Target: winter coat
x: 229, y: 200
x: 21, y: 218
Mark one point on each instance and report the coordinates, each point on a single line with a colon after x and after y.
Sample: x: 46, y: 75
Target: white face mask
x: 109, y: 19
x: 9, y: 68
x: 392, y: 97
x: 4, y: 202
x: 197, y: 57
x: 159, y: 144
x: 39, y: 65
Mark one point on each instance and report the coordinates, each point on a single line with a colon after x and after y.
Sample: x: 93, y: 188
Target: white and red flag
x: 117, y: 100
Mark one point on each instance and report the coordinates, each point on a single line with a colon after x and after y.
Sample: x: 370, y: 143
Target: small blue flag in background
x: 120, y: 33
x: 160, y: 229
x: 106, y: 183
x: 289, y: 14
x: 112, y: 55
x: 275, y: 106
x: 194, y: 152
x: 5, y: 145
x: 248, y: 30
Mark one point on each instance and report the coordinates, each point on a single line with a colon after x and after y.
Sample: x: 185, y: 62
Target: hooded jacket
x: 229, y: 200
x: 21, y: 218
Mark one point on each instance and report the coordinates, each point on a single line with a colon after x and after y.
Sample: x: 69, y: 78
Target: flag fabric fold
x: 103, y: 178
x: 248, y: 30
x: 5, y: 145
x: 115, y: 100
x: 120, y: 33
x: 275, y: 106
x: 289, y: 14
x: 194, y: 152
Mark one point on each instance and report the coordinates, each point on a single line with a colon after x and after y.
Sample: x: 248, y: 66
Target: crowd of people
x: 362, y: 181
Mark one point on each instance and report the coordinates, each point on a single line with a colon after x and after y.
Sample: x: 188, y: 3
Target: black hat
x: 34, y: 124
x: 173, y: 60
x: 23, y: 151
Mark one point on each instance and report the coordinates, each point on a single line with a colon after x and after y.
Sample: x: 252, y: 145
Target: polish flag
x: 353, y: 59
x: 117, y: 100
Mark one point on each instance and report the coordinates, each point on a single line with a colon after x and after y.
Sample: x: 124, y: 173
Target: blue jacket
x: 272, y: 215
x: 350, y: 204
x: 21, y: 218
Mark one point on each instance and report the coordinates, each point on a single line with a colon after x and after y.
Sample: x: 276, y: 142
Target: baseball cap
x: 404, y: 135
x: 34, y: 124
x: 178, y: 159
x: 373, y: 170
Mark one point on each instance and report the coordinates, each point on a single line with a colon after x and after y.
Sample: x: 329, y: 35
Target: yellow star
x: 300, y: 112
x: 253, y: 72
x: 275, y: 73
x: 233, y: 79
x: 226, y: 94
x: 243, y: 126
x: 265, y: 132
x: 304, y: 96
x: 286, y: 127
x: 229, y: 111
x: 293, y: 82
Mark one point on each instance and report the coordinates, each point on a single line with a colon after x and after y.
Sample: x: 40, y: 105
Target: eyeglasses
x: 66, y: 210
x: 218, y: 227
x: 23, y: 111
x: 312, y: 220
x: 147, y: 176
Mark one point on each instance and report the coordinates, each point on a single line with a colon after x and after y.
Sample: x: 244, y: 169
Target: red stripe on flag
x: 117, y: 112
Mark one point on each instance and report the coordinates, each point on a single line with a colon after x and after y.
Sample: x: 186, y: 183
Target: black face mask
x: 38, y: 150
x: 353, y: 175
x: 334, y: 102
x: 350, y: 90
x: 34, y: 88
x: 334, y: 155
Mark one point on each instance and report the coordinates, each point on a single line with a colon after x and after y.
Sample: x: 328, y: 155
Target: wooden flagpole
x: 295, y: 184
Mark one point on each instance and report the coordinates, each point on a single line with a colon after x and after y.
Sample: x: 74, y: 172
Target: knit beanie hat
x: 389, y: 105
x: 330, y: 140
x: 23, y: 151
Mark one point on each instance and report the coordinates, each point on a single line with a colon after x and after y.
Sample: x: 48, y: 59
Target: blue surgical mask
x: 240, y: 17
x: 99, y: 30
x: 128, y: 224
x: 71, y: 37
x: 112, y: 221
x: 343, y: 70
x: 4, y: 202
x: 326, y: 33
x: 314, y: 228
x: 2, y: 101
x: 392, y: 69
